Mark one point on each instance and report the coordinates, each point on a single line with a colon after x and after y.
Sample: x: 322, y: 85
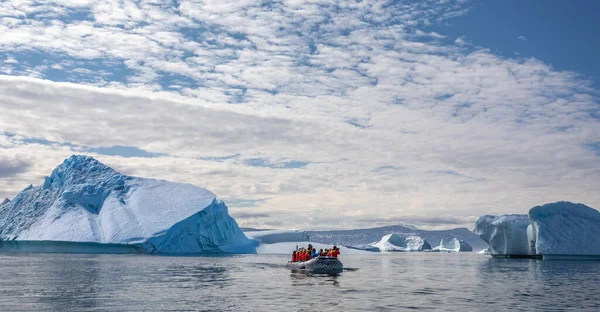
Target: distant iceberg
x: 396, y: 242
x: 85, y: 201
x: 277, y: 236
x: 288, y: 247
x: 454, y: 245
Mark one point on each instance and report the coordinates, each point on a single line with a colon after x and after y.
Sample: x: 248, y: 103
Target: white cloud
x: 446, y: 129
x: 522, y: 38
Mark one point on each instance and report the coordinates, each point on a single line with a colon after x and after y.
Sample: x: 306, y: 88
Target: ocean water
x: 374, y: 282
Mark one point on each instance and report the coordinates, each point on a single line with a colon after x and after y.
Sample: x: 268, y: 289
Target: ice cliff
x: 453, y: 245
x: 565, y: 228
x: 396, y: 242
x: 505, y: 235
x: 86, y: 201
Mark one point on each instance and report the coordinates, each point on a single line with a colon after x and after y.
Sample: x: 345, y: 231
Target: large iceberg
x: 86, y: 201
x: 396, y: 242
x: 565, y: 229
x: 453, y: 245
x: 505, y: 235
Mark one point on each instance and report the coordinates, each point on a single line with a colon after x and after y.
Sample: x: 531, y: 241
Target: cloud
x: 522, y: 38
x: 323, y: 114
x: 11, y: 167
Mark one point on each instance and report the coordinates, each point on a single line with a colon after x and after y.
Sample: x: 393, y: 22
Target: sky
x: 312, y: 114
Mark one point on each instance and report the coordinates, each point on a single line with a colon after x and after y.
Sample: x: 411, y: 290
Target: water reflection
x: 302, y: 278
x: 59, y: 285
x: 451, y: 282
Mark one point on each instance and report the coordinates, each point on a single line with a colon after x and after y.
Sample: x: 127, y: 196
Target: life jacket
x: 307, y: 255
x: 335, y: 253
x: 294, y: 257
x: 302, y: 257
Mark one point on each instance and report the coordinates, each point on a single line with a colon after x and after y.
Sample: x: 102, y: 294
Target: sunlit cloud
x: 300, y: 114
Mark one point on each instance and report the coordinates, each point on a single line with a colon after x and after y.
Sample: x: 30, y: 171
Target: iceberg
x: 395, y: 242
x: 277, y: 236
x: 87, y: 202
x: 454, y: 245
x: 506, y: 235
x: 565, y: 229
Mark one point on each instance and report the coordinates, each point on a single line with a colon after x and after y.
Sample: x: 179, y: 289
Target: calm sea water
x: 387, y: 282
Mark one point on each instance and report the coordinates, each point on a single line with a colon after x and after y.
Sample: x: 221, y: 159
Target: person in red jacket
x: 335, y: 252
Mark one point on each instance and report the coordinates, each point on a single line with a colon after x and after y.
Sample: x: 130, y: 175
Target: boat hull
x: 321, y: 265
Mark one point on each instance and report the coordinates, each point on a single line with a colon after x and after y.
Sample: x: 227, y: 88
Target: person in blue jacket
x: 314, y: 253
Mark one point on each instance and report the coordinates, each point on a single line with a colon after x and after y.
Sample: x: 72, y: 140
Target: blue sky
x: 560, y: 33
x: 304, y: 114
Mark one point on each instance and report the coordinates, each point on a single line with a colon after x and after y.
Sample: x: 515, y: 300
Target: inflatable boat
x: 320, y: 265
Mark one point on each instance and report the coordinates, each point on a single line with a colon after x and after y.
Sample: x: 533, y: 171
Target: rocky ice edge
x: 565, y: 228
x: 505, y: 235
x: 453, y: 245
x: 86, y: 201
x: 396, y: 242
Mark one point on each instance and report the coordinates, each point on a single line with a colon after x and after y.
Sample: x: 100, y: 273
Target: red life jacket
x: 294, y: 256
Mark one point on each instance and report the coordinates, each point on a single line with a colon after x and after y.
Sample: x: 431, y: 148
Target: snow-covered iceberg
x: 396, y: 242
x: 565, y: 229
x: 505, y: 235
x: 453, y: 245
x: 277, y: 236
x: 86, y: 201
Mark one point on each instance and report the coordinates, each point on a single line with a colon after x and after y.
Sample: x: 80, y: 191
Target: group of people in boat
x: 305, y: 254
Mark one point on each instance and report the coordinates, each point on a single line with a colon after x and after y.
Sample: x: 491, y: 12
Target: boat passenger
x: 315, y: 254
x: 321, y: 252
x: 307, y: 255
x: 294, y: 256
x: 335, y: 252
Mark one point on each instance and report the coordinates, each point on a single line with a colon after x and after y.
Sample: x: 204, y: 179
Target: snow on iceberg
x: 86, y: 201
x: 396, y: 242
x: 565, y: 229
x: 505, y: 235
x: 453, y: 245
x: 277, y: 236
